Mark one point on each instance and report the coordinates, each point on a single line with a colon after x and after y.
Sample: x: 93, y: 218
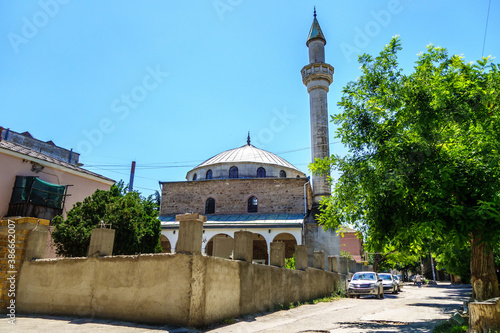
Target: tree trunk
x: 376, y: 261
x: 482, y: 268
x: 484, y: 316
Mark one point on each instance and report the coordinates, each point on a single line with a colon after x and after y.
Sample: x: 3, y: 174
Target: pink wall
x: 352, y: 244
x: 12, y: 166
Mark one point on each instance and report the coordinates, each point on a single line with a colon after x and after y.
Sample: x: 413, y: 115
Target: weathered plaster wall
x: 163, y: 288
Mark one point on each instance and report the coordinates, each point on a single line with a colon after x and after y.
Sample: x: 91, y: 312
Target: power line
x: 168, y: 165
x: 486, y: 28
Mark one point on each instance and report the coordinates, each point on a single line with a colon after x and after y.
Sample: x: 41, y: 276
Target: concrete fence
x: 182, y: 289
x: 186, y: 288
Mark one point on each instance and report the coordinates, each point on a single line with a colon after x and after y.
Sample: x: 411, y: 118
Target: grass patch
x: 228, y: 321
x: 449, y: 327
x: 330, y: 298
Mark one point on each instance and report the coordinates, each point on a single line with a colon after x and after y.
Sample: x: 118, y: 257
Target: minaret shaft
x: 319, y: 139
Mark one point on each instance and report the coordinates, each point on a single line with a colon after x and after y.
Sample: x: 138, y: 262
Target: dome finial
x: 314, y: 11
x: 248, y: 138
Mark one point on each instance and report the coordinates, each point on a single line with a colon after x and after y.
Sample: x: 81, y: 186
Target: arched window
x: 233, y: 172
x: 210, y: 206
x: 261, y: 173
x: 282, y: 174
x: 298, y: 176
x: 195, y: 176
x: 253, y: 205
x: 209, y: 174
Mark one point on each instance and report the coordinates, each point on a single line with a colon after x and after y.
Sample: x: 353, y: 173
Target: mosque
x: 254, y: 190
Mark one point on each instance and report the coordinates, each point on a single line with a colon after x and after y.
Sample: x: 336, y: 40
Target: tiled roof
x: 247, y: 153
x: 40, y: 156
x: 243, y: 220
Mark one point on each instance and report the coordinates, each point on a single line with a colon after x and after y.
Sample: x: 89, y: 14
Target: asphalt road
x: 412, y: 310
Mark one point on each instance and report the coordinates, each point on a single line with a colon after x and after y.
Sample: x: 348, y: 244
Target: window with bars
x: 253, y: 205
x: 210, y: 206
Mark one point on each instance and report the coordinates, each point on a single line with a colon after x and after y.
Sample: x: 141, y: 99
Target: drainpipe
x: 305, y: 211
x: 305, y: 199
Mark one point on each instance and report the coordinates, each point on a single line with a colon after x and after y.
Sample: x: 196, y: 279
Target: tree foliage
x: 135, y: 220
x: 423, y: 165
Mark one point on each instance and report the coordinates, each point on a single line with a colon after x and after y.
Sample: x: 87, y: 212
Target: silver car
x: 389, y: 282
x: 365, y: 283
x: 399, y: 281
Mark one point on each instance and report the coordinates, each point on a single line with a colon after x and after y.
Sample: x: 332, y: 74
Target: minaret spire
x: 248, y: 138
x: 315, y: 31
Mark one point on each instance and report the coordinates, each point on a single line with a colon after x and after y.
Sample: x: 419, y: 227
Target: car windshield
x: 385, y: 277
x: 364, y: 276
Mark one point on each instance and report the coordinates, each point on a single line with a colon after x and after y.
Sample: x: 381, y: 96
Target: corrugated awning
x: 242, y: 221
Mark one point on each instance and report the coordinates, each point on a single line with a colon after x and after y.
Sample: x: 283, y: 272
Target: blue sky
x: 170, y: 84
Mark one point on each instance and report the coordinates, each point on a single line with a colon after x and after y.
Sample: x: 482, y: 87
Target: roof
x: 315, y: 32
x: 247, y: 153
x: 14, y: 147
x: 242, y: 220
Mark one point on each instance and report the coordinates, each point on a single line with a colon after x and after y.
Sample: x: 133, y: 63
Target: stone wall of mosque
x: 274, y: 195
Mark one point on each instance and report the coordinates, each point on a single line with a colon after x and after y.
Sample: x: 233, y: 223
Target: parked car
x: 365, y: 283
x: 399, y: 281
x: 388, y: 282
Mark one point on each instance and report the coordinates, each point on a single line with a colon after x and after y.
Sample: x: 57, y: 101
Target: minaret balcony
x: 317, y: 71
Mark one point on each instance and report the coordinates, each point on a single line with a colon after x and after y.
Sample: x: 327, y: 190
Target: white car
x: 388, y: 282
x: 399, y: 281
x: 365, y: 283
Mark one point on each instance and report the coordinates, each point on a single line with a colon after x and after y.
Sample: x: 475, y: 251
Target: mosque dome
x: 246, y: 161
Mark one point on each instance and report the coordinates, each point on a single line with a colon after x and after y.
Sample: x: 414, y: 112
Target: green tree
x: 134, y: 218
x: 423, y: 159
x: 456, y: 261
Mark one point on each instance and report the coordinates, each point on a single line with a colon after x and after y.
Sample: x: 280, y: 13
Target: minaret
x: 317, y: 77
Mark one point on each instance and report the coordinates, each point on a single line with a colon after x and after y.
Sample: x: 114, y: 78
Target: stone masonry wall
x: 284, y: 195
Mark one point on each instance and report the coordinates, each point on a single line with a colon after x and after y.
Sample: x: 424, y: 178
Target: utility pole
x: 432, y: 266
x: 132, y: 174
